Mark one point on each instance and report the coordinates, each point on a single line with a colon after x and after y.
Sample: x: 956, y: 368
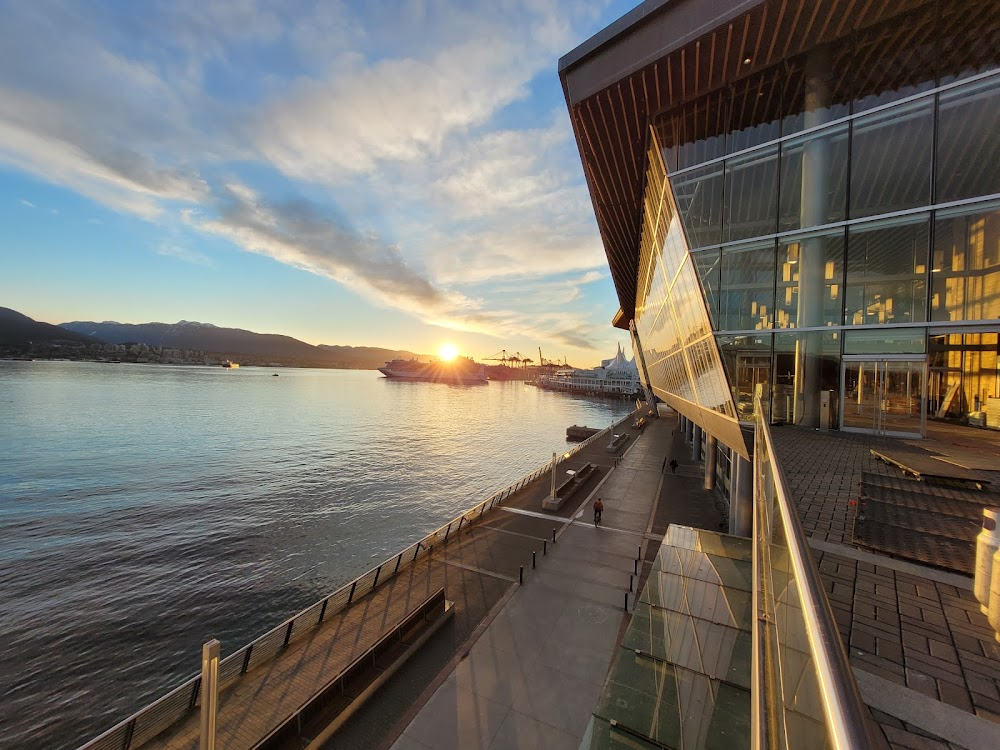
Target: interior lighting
x: 746, y: 61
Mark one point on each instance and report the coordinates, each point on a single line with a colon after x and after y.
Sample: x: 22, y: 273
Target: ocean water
x: 147, y: 509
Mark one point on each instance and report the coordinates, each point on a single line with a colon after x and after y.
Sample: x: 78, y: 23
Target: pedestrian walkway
x: 534, y: 676
x: 925, y: 656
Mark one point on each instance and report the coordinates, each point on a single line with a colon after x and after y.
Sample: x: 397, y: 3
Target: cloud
x: 29, y: 204
x: 182, y: 253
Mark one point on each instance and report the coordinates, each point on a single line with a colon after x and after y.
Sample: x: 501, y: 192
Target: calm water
x: 146, y: 509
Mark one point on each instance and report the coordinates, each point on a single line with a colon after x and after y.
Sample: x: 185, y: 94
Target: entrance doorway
x: 884, y: 395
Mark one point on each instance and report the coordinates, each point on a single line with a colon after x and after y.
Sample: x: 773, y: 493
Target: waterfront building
x: 800, y: 203
x: 617, y: 376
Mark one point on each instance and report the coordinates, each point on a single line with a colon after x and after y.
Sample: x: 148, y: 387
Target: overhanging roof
x: 666, y: 53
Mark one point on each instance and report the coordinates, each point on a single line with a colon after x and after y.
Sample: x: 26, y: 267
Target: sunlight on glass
x: 448, y: 352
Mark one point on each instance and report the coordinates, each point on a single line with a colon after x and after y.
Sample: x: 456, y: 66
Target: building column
x: 688, y: 430
x: 741, y: 497
x: 812, y: 255
x: 710, y: 459
x: 696, y: 444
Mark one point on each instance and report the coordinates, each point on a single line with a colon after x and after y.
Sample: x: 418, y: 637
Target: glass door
x: 884, y: 396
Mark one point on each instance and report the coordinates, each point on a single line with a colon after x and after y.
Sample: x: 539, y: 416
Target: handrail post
x: 209, y: 693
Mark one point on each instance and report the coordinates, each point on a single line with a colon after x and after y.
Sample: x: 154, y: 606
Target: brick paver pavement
x: 914, y: 626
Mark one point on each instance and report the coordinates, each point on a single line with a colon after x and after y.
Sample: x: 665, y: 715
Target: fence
x: 179, y: 702
x: 804, y: 693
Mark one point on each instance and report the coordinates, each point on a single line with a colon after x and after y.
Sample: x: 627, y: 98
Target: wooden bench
x: 568, y: 488
x: 321, y: 716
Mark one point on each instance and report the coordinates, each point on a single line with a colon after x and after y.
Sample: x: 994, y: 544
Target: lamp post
x: 555, y: 460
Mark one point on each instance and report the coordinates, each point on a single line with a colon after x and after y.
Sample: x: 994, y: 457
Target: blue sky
x: 393, y: 174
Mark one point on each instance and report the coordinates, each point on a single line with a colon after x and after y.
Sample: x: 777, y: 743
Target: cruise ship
x: 618, y: 376
x: 461, y: 370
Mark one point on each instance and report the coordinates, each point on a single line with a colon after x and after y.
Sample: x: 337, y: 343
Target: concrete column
x: 209, y: 693
x: 741, y: 497
x: 696, y: 444
x: 688, y: 430
x: 812, y: 256
x: 710, y: 459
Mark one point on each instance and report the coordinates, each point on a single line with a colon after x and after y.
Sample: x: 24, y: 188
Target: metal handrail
x: 121, y: 735
x: 847, y: 718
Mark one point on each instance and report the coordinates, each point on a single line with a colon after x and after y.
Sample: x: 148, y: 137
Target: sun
x: 448, y: 352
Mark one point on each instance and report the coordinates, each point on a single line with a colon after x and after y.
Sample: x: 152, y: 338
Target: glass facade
x: 843, y: 205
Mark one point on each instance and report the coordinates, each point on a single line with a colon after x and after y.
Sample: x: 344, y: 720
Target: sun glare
x: 448, y: 352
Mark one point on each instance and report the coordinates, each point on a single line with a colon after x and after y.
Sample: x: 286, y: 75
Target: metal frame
x: 848, y: 721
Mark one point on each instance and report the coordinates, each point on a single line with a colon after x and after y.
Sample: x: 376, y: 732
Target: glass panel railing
x: 804, y: 693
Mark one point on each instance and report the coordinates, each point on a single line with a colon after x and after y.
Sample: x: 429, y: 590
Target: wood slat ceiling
x: 891, y: 42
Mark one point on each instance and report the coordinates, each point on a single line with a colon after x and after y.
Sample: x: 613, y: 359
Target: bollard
x: 635, y: 567
x: 626, y: 601
x: 994, y: 610
x: 520, y: 575
x: 630, y: 584
x: 987, y: 544
x: 532, y: 559
x: 545, y: 547
x: 553, y: 536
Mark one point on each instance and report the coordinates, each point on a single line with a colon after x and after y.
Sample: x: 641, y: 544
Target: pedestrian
x: 673, y: 465
x: 598, y: 510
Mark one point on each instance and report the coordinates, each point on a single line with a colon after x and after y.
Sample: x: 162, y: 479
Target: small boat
x: 576, y: 433
x: 229, y: 365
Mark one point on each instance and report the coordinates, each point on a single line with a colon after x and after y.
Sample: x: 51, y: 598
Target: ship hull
x: 434, y: 377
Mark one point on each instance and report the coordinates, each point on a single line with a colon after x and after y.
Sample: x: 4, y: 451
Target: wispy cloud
x: 182, y: 253
x: 29, y: 204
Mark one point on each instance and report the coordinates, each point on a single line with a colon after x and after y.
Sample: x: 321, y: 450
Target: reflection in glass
x: 755, y: 111
x: 751, y: 192
x: 887, y: 272
x: 891, y: 159
x: 748, y: 364
x: 709, y: 265
x: 813, y: 179
x: 699, y: 201
x: 747, y: 288
x: 965, y: 273
x: 969, y: 141
x: 810, y: 281
x: 806, y: 363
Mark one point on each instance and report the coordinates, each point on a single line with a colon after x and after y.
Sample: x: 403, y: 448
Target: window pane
x: 751, y: 187
x: 805, y: 364
x: 891, y: 159
x: 816, y: 90
x: 699, y: 202
x: 747, y: 360
x: 969, y: 141
x: 810, y: 281
x: 887, y: 273
x: 886, y: 341
x: 755, y: 111
x: 814, y: 165
x: 709, y: 265
x: 965, y: 275
x: 747, y: 297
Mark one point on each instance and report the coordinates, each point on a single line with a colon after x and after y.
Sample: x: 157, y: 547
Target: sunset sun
x: 448, y: 352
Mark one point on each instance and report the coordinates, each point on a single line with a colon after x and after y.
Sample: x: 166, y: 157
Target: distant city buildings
x: 618, y: 376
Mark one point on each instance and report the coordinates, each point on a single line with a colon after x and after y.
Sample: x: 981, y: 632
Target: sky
x: 384, y: 173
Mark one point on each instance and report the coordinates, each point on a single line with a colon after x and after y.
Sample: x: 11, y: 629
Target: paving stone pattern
x: 909, y: 629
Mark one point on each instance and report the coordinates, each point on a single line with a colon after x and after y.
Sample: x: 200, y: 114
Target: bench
x: 323, y: 714
x: 569, y: 487
x: 617, y: 442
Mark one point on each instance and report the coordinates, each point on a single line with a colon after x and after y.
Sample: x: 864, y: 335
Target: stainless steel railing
x: 148, y: 722
x: 804, y: 693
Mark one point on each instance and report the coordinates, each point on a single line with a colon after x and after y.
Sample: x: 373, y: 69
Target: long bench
x: 568, y: 488
x: 323, y: 714
x: 617, y: 442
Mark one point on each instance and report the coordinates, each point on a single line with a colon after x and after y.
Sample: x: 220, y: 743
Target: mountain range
x: 20, y: 333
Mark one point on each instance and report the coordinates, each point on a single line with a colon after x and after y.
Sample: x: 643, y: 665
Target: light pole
x: 555, y: 460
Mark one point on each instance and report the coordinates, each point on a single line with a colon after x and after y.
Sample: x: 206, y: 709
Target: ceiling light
x: 746, y: 61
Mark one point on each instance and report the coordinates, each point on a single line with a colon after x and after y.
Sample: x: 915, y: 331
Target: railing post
x: 447, y: 532
x: 129, y: 731
x: 209, y: 693
x: 195, y: 691
x: 288, y: 633
x: 246, y: 656
x: 354, y: 584
x: 416, y: 551
x: 377, y: 572
x: 398, y: 559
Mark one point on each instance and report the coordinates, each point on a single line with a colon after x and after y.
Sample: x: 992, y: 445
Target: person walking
x: 673, y: 465
x: 598, y: 510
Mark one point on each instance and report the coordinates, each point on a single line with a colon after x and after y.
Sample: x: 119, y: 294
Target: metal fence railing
x: 804, y: 693
x: 182, y: 700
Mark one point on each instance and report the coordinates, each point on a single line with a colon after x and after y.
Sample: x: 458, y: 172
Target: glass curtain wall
x: 854, y: 189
